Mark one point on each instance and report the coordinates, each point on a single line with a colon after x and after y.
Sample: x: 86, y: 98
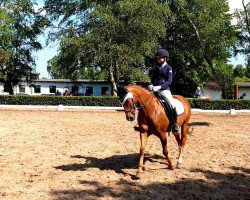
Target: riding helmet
x: 162, y: 53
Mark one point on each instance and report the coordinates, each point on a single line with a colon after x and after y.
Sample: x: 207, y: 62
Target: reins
x: 138, y: 108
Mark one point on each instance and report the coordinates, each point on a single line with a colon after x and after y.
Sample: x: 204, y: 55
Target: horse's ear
x: 121, y: 92
x: 119, y: 89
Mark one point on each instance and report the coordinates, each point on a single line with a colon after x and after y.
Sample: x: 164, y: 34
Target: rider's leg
x: 175, y: 126
x: 166, y: 94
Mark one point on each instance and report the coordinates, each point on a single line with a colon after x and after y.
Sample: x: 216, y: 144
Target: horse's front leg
x: 165, y: 150
x: 143, y: 139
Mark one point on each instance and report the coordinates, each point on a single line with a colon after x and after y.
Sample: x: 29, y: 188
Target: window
x: 89, y: 91
x: 37, y: 88
x: 21, y: 88
x: 74, y: 90
x: 104, y: 91
x: 52, y: 89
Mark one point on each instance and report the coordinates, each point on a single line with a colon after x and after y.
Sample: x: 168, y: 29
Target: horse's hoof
x: 179, y: 165
x: 138, y: 175
x: 171, y: 167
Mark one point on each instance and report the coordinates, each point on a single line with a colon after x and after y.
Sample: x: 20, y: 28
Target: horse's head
x: 126, y: 99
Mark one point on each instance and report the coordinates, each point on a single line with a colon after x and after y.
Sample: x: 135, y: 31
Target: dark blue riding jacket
x: 162, y: 76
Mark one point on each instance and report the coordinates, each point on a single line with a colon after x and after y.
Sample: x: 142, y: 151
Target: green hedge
x: 207, y: 104
x: 55, y: 100
x: 113, y: 102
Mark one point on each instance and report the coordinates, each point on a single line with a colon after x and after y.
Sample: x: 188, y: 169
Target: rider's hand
x: 156, y: 88
x: 150, y: 87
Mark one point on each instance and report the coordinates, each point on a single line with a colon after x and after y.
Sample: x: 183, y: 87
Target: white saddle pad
x: 178, y: 105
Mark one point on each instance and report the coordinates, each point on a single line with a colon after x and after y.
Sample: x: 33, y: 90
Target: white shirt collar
x: 163, y: 64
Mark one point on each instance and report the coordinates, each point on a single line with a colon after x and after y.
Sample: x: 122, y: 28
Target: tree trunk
x: 112, y: 79
x: 9, y: 88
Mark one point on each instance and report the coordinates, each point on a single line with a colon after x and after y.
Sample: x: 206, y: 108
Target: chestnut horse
x: 153, y: 120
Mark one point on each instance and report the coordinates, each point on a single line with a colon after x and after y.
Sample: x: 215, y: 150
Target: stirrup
x: 175, y: 127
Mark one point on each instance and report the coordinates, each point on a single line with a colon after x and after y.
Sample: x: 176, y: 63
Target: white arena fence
x: 62, y: 107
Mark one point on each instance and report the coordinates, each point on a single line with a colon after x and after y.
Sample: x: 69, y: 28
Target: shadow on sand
x: 129, y: 161
x: 199, y: 124
x: 217, y: 185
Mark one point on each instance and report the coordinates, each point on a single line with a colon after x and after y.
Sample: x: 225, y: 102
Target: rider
x: 162, y: 79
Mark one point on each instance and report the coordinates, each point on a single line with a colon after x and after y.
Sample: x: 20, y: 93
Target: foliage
x: 224, y: 76
x: 243, y: 23
x: 112, y: 36
x: 199, y: 33
x: 207, y: 104
x: 248, y: 71
x: 57, y: 100
x: 19, y: 29
x: 241, y: 74
x: 239, y: 71
x: 113, y: 102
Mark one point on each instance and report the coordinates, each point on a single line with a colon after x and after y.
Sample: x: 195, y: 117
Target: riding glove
x: 156, y: 88
x: 150, y: 87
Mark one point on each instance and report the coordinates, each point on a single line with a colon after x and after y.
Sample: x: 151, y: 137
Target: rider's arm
x: 169, y: 78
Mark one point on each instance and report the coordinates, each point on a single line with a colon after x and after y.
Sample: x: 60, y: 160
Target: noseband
x: 129, y: 95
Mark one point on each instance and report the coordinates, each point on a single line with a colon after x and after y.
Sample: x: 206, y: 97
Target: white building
x: 210, y: 89
x: 60, y: 86
x: 241, y: 88
x: 213, y: 91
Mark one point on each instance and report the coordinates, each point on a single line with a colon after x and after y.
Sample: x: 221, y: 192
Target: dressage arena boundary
x: 62, y: 108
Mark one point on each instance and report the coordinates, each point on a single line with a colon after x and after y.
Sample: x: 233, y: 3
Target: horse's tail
x: 190, y: 129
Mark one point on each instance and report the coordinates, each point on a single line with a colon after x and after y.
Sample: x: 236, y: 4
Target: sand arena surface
x: 94, y: 155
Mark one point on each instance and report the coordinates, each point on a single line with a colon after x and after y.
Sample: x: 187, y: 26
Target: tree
x: 224, y: 76
x: 248, y: 71
x: 243, y: 24
x: 119, y: 36
x: 23, y: 26
x: 114, y: 36
x: 239, y: 71
x: 199, y: 35
x: 5, y: 39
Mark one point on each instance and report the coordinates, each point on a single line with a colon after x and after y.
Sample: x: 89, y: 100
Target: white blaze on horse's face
x: 129, y: 106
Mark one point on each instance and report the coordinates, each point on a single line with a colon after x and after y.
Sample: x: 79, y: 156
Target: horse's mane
x: 139, y: 87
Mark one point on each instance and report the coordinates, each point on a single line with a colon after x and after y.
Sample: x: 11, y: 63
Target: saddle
x: 169, y: 109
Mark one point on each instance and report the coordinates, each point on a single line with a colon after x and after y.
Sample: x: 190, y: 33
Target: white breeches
x: 167, y: 94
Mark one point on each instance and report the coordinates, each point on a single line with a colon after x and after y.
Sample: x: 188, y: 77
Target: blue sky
x: 43, y: 56
x: 49, y: 52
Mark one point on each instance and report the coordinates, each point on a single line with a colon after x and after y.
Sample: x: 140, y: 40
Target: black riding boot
x: 175, y: 125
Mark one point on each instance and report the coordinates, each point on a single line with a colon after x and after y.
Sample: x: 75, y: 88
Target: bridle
x: 129, y: 95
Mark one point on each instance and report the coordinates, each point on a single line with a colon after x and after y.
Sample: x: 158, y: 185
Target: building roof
x: 243, y: 84
x: 212, y: 84
x: 70, y: 81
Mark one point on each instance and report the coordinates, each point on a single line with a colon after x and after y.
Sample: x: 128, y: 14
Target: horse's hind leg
x: 178, y: 139
x: 181, y: 144
x: 143, y: 138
